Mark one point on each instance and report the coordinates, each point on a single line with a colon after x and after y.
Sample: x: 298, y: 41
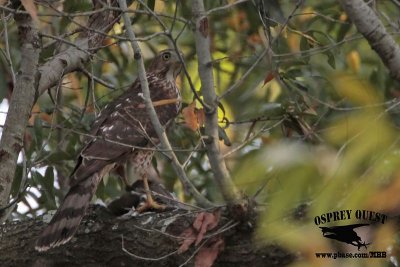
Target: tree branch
x: 42, y: 79
x: 72, y: 59
x: 150, y: 239
x: 189, y: 187
x: 369, y: 25
x: 20, y: 107
x: 221, y: 174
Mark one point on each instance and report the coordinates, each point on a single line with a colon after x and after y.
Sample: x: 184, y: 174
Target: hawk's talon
x: 150, y: 204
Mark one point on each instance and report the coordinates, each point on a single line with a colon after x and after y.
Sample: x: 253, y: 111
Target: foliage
x: 313, y: 127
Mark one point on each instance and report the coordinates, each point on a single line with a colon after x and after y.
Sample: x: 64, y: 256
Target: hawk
x: 121, y: 132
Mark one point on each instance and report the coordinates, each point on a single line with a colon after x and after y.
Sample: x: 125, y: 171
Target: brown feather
x: 65, y: 222
x: 119, y: 126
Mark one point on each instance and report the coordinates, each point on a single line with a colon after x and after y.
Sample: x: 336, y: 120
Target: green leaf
x: 38, y: 132
x: 151, y: 4
x: 17, y: 180
x: 331, y: 59
x: 304, y: 44
x: 222, y: 108
x: 304, y: 47
x: 223, y: 136
x: 47, y: 186
x: 299, y: 86
x: 343, y: 30
x: 48, y: 181
x: 59, y: 156
x: 3, y: 86
x: 271, y: 109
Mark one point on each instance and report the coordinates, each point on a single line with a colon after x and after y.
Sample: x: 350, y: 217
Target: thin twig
x: 59, y: 39
x: 97, y: 79
x: 221, y: 8
x: 165, y: 28
x: 244, y: 76
x: 8, y: 57
x: 266, y: 51
x: 175, y: 149
x: 186, y: 162
x: 227, y: 154
x: 203, y: 43
x: 145, y: 258
x: 194, y: 253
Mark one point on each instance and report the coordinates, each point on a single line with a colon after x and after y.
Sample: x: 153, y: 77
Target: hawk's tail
x: 65, y: 222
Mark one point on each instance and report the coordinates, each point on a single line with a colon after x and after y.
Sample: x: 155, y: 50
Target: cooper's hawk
x: 122, y: 131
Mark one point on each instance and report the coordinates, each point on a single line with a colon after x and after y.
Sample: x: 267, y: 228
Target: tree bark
x: 32, y: 81
x: 218, y: 166
x: 369, y: 25
x: 21, y: 104
x: 151, y: 235
x: 71, y: 59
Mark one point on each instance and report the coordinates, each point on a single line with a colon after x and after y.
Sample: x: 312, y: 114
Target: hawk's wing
x: 121, y: 126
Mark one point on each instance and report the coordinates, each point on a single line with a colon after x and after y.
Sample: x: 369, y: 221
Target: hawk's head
x: 166, y: 64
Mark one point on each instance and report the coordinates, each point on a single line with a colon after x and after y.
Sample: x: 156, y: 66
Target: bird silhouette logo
x: 345, y: 234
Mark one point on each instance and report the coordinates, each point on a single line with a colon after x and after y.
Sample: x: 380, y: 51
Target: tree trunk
x: 149, y: 235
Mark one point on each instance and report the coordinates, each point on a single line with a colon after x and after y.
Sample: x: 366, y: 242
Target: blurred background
x: 308, y: 113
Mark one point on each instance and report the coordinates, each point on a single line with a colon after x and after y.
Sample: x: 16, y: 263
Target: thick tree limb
x: 221, y: 174
x: 20, y: 107
x: 165, y: 145
x: 369, y: 25
x: 98, y: 242
x: 32, y: 82
x: 73, y: 58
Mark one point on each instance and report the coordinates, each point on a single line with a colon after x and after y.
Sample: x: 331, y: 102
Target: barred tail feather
x: 65, y: 222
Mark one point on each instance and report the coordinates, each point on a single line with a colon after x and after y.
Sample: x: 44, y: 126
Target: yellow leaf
x: 159, y: 6
x: 357, y: 91
x: 388, y: 198
x: 343, y: 17
x: 354, y: 61
x: 308, y: 13
x: 293, y: 41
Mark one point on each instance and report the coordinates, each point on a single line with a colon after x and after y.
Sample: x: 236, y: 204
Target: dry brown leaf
x: 194, y: 118
x: 190, y: 117
x: 30, y: 8
x: 75, y: 84
x: 46, y: 117
x: 35, y: 111
x: 387, y: 199
x: 188, y: 236
x: 270, y: 75
x: 208, y: 253
x: 204, y: 222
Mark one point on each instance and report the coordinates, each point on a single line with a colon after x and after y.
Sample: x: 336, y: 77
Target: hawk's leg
x: 150, y: 202
x: 120, y: 171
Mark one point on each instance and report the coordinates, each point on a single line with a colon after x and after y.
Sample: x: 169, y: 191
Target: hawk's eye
x: 166, y: 56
